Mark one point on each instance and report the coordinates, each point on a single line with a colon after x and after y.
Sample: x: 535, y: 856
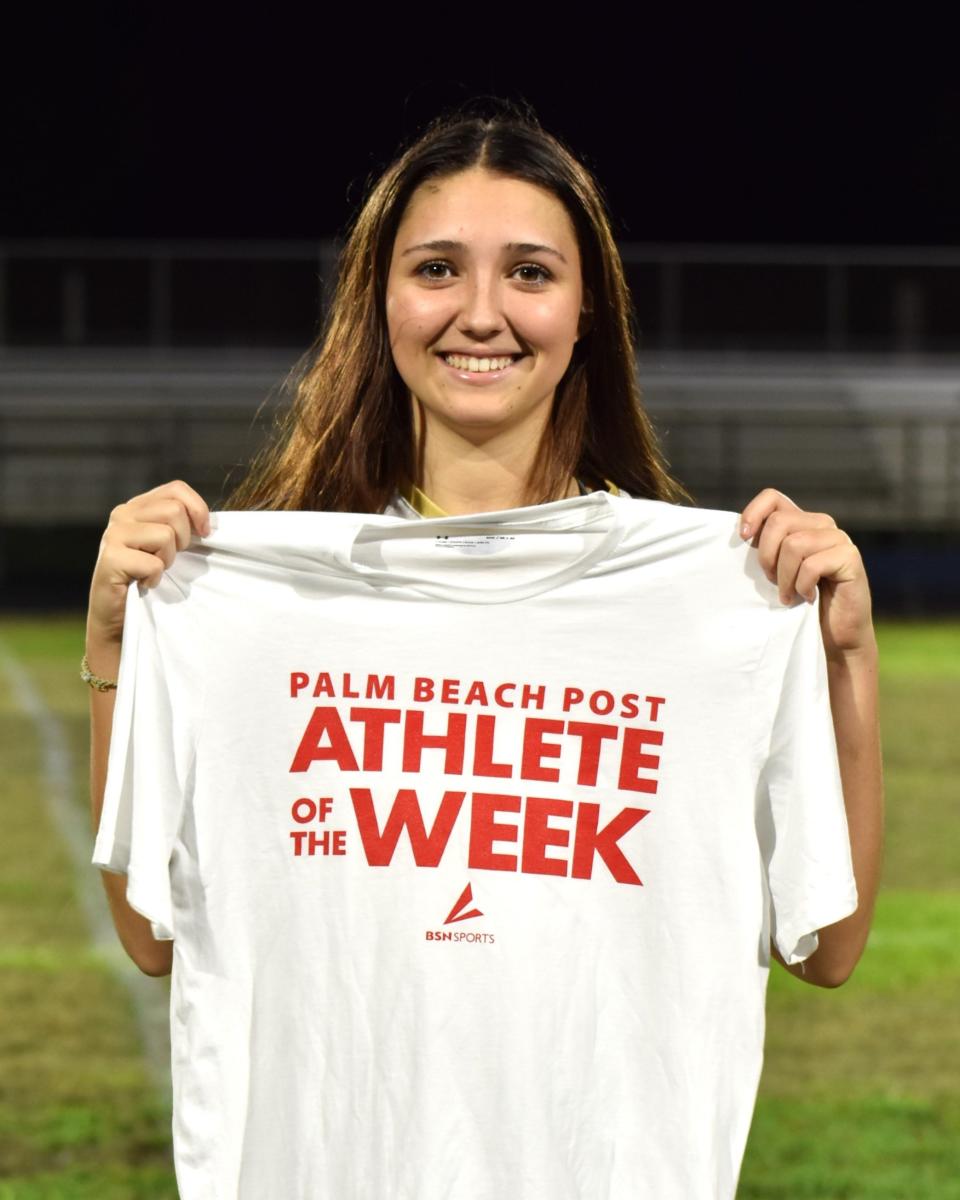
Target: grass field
x: 860, y: 1098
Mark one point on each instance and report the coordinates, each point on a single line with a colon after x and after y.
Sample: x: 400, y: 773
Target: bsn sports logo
x: 461, y: 912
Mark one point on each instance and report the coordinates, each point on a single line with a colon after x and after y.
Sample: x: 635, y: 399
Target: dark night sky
x: 125, y: 128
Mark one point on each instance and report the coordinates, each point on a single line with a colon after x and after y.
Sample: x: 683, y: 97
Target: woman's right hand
x: 140, y: 542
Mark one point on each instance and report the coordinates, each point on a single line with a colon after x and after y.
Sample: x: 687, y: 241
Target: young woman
x: 478, y: 357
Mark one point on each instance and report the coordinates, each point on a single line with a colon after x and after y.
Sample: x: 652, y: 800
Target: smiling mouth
x: 480, y: 365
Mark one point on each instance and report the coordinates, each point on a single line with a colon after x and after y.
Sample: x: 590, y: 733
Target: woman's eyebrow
x: 533, y: 248
x: 516, y: 247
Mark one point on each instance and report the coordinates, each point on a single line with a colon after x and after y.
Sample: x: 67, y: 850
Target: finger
x: 138, y: 565
x: 159, y: 538
x: 160, y: 510
x: 168, y: 511
x: 795, y: 550
x: 194, y: 504
x: 806, y: 557
x: 760, y: 507
x: 840, y: 563
x: 783, y: 524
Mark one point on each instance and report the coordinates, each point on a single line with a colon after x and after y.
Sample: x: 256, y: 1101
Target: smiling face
x: 484, y: 298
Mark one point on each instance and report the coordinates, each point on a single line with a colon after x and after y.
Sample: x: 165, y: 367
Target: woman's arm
x: 151, y: 956
x: 141, y: 540
x: 799, y: 550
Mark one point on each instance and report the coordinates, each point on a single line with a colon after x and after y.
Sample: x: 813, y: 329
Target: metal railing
x: 63, y: 465
x: 272, y: 293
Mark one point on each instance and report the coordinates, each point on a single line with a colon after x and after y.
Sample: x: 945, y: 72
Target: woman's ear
x: 585, y: 323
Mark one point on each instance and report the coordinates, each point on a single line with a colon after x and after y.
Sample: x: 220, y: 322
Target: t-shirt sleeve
x: 150, y: 759
x: 802, y: 820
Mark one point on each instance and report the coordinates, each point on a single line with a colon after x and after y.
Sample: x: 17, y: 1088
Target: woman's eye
x: 533, y: 273
x: 433, y: 270
x: 527, y: 272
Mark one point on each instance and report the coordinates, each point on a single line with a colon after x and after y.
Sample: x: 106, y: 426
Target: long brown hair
x: 345, y: 443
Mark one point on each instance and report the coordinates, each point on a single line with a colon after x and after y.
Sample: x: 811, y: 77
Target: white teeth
x: 464, y: 362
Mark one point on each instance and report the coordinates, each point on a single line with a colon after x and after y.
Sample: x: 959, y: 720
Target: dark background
x: 802, y: 130
x: 127, y: 123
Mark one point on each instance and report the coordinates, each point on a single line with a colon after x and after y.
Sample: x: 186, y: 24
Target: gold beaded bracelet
x: 102, y: 685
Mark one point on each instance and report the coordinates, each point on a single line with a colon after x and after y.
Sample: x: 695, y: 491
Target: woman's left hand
x: 799, y: 550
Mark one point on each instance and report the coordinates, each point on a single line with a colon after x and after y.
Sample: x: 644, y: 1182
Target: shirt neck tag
x: 474, y: 543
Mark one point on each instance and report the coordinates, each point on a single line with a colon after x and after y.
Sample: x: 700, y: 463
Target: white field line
x: 150, y: 996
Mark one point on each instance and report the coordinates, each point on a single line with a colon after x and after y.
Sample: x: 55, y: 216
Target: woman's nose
x: 481, y: 313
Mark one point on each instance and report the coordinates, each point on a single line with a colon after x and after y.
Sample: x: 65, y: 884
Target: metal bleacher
x: 831, y: 374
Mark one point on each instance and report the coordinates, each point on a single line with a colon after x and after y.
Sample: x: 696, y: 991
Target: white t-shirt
x: 472, y: 834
